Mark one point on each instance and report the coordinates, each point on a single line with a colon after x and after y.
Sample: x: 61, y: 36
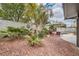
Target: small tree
x: 12, y: 11
x: 37, y: 14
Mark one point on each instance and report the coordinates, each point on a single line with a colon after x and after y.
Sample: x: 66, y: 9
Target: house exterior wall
x: 4, y: 24
x: 70, y: 10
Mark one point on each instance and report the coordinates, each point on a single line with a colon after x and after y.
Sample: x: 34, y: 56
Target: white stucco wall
x: 4, y: 24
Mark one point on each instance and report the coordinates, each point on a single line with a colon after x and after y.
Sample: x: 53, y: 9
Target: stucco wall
x: 4, y: 24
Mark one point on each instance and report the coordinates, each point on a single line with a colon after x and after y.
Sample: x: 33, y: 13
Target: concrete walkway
x: 70, y: 38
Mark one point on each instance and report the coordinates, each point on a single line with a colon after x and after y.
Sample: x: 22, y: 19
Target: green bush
x: 52, y: 28
x: 19, y: 31
x: 33, y: 40
x: 43, y: 33
x: 12, y: 32
x: 3, y: 34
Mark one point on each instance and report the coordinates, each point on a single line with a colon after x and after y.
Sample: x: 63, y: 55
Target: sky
x: 57, y: 10
x: 59, y: 14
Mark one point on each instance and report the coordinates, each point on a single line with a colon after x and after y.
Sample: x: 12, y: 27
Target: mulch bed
x: 51, y: 46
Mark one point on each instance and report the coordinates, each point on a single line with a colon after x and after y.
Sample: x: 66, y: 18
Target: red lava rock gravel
x: 51, y: 46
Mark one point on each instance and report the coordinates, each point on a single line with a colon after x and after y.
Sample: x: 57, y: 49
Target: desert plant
x: 33, y: 40
x: 3, y: 34
x: 37, y: 15
x: 20, y: 31
x: 12, y: 32
x: 12, y: 11
x: 43, y: 33
x: 52, y: 28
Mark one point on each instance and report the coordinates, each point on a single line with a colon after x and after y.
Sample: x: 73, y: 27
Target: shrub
x: 12, y: 32
x: 33, y: 40
x: 19, y: 31
x: 3, y: 34
x: 52, y: 28
x: 43, y: 33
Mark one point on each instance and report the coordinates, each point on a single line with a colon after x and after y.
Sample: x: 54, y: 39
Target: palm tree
x: 37, y: 15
